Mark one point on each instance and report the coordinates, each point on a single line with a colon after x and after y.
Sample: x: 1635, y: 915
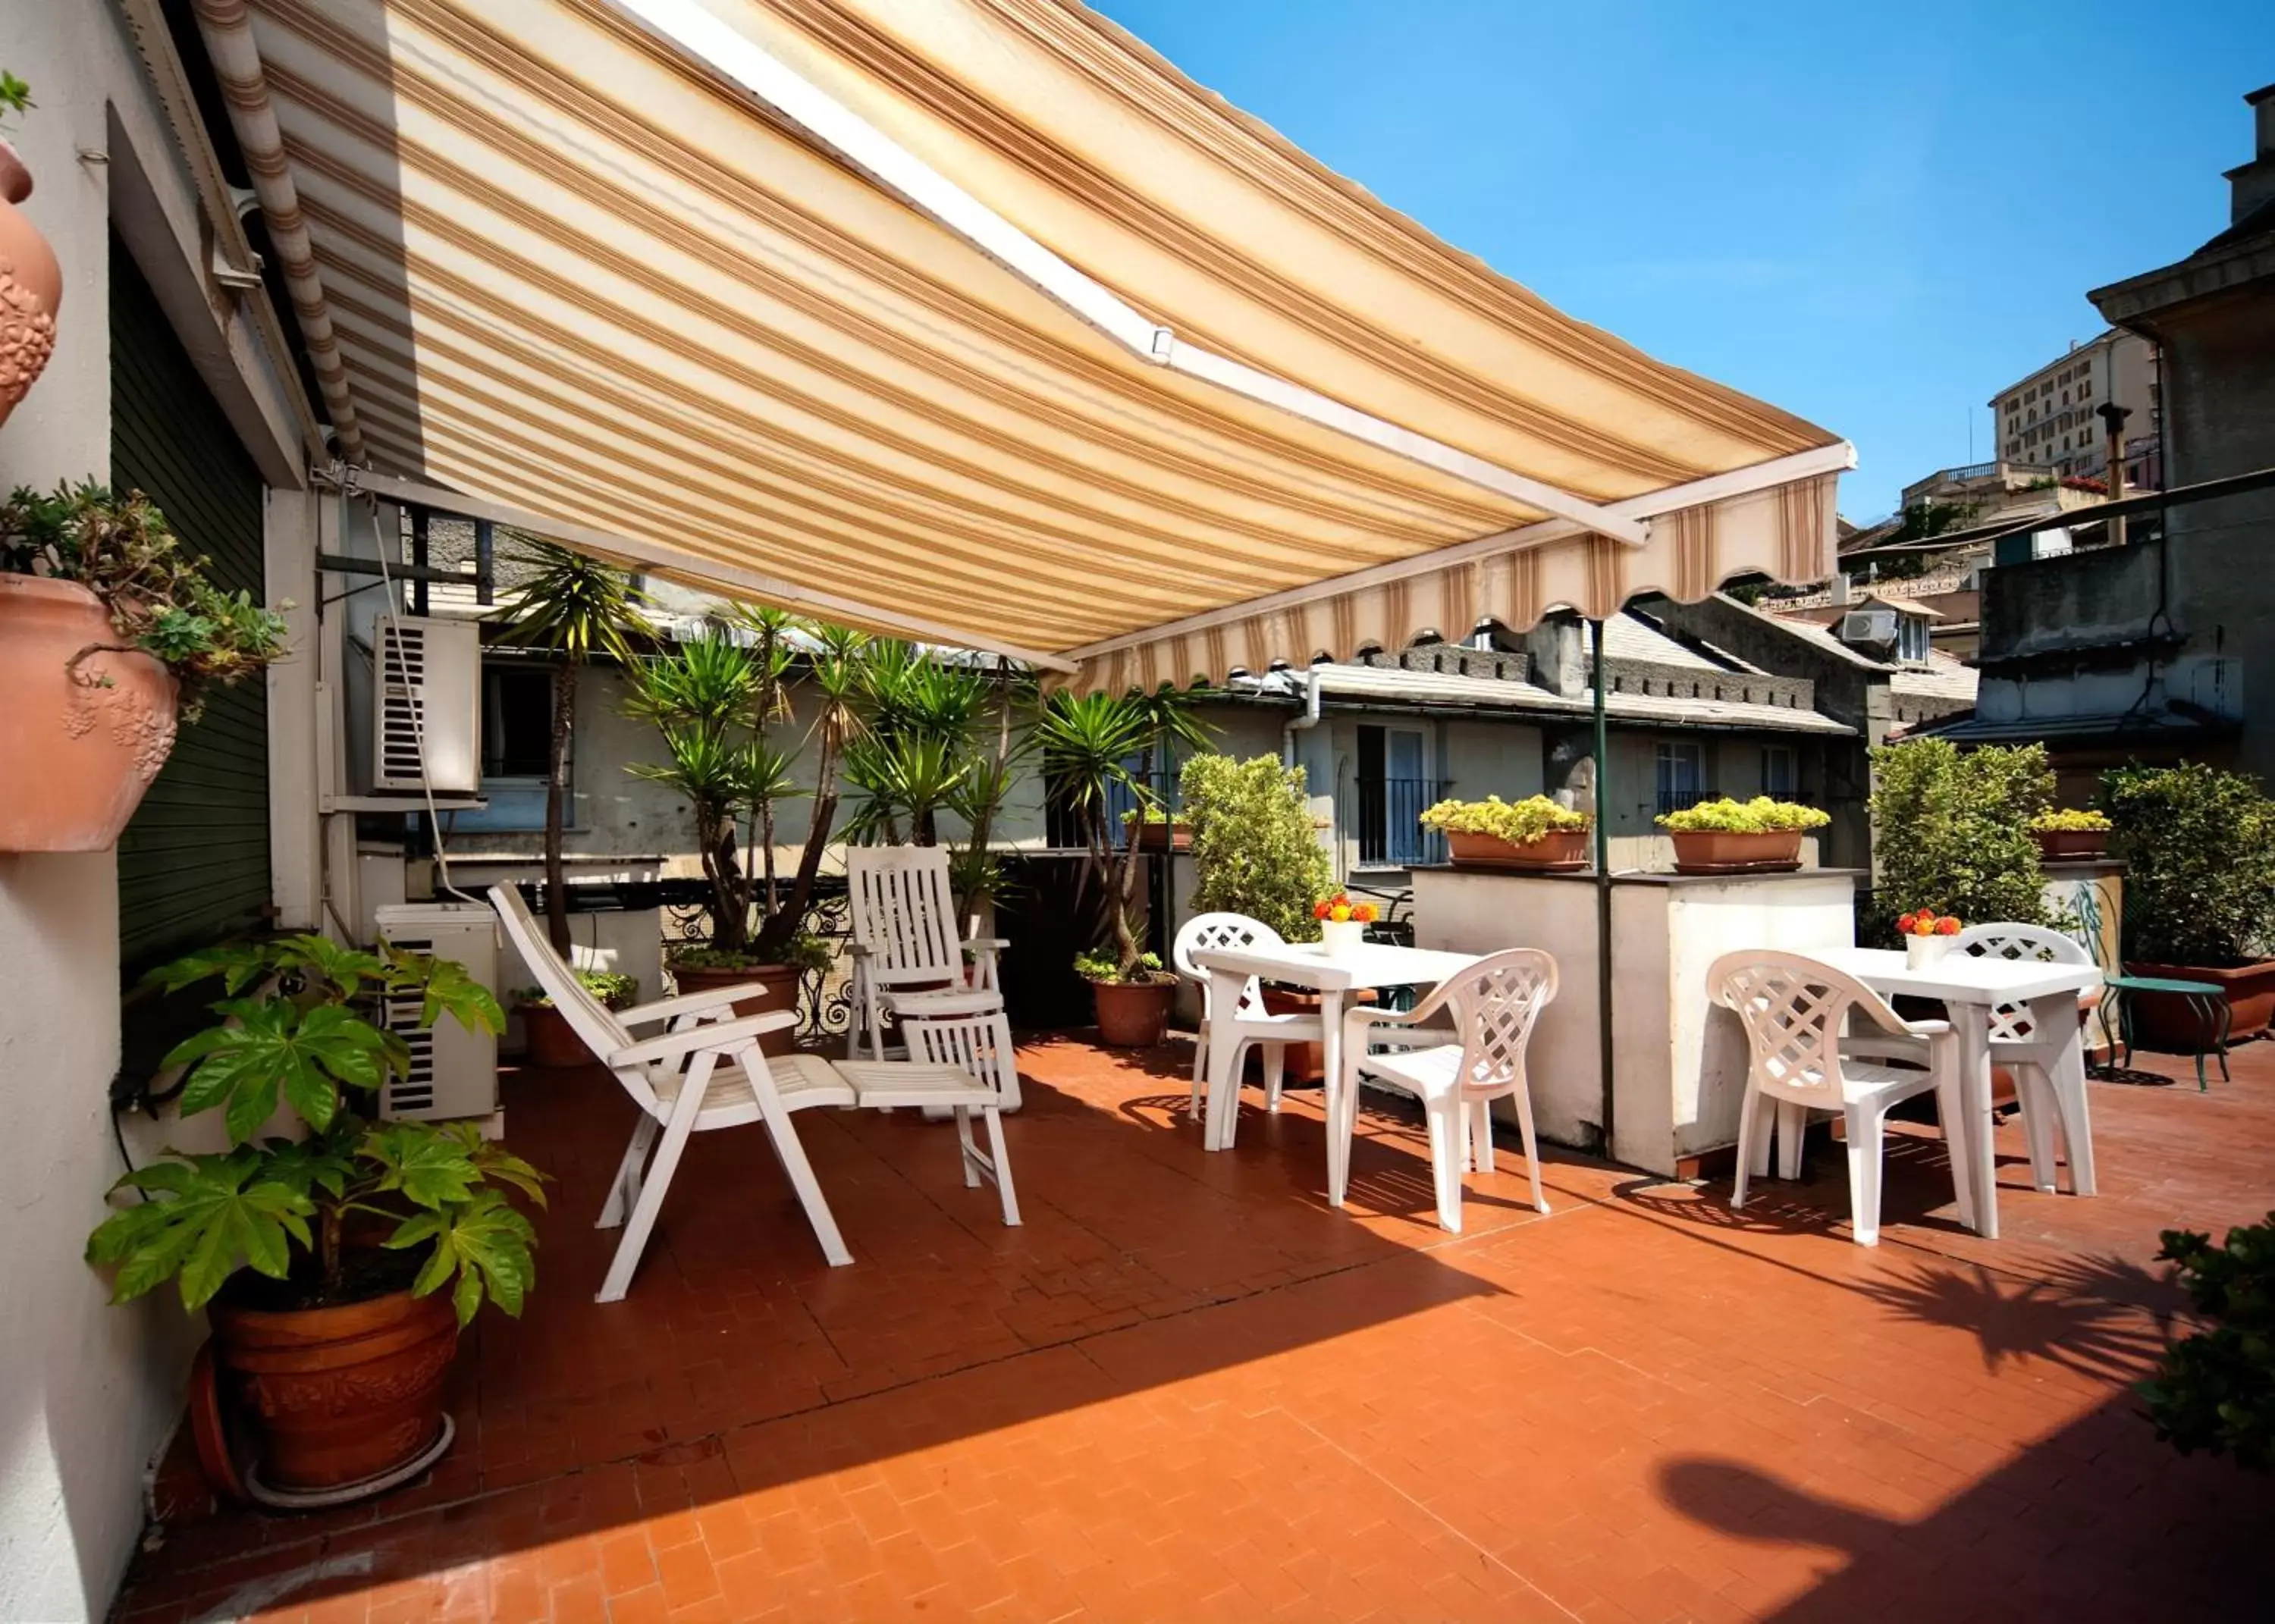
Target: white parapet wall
x: 1678, y: 1063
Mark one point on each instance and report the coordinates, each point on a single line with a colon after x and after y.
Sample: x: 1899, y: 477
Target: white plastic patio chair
x: 1250, y: 1022
x: 1494, y: 1005
x: 2049, y: 1068
x: 908, y: 958
x: 1795, y: 1011
x: 671, y: 1078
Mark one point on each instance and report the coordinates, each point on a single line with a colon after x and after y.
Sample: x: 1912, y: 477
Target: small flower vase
x: 1920, y: 952
x: 1338, y: 937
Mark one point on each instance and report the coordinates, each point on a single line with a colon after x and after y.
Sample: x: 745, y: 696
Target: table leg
x: 1971, y: 1025
x: 1331, y: 1071
x: 1225, y: 988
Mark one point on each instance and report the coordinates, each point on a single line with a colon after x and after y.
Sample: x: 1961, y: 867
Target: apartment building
x: 2048, y: 419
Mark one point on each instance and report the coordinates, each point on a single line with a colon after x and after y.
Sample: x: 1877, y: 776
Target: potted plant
x: 2215, y: 1388
x: 1088, y: 742
x: 715, y: 701
x: 1157, y: 829
x: 31, y: 281
x: 1928, y: 936
x: 109, y: 633
x: 1951, y: 832
x: 320, y: 1261
x: 1342, y: 923
x: 1256, y: 851
x: 1738, y: 837
x: 2070, y: 835
x: 2199, y: 851
x: 552, y: 1041
x: 1532, y: 834
x: 574, y: 607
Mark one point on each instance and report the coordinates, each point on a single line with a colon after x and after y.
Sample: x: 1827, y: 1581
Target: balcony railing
x: 1681, y: 800
x: 1390, y: 832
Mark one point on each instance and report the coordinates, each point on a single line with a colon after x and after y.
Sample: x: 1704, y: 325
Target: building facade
x: 2049, y: 419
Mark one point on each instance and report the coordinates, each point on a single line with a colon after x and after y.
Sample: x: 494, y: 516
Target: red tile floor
x: 1188, y: 1389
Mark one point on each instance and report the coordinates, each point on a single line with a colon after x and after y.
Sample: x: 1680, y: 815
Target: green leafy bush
x: 2216, y: 1390
x: 1951, y: 830
x: 2199, y: 846
x: 1254, y: 849
x: 1520, y: 823
x: 154, y: 588
x: 614, y: 991
x: 294, y: 1031
x: 1759, y: 816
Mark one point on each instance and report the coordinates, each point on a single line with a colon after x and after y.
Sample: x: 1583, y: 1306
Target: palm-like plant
x: 1089, y: 742
x: 577, y: 607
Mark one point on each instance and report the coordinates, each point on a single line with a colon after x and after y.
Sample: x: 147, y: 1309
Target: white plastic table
x: 1331, y: 976
x: 1969, y: 988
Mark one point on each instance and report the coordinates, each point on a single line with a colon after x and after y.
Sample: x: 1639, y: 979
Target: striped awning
x: 587, y: 260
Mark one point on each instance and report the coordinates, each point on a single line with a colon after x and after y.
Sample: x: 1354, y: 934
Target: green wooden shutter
x: 193, y: 863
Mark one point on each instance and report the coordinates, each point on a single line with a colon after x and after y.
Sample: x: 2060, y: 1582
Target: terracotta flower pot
x: 2164, y: 1021
x: 780, y: 982
x: 552, y: 1040
x: 1164, y: 836
x: 31, y: 288
x: 79, y: 750
x: 2071, y: 845
x: 1560, y: 851
x: 1133, y: 1015
x: 1727, y: 852
x: 338, y: 1395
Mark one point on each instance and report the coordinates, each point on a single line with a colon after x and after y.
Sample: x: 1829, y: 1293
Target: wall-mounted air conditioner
x: 1869, y: 626
x: 427, y: 679
x: 453, y: 1071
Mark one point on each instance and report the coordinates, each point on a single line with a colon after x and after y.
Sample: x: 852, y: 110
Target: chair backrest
x: 1220, y: 930
x: 593, y: 1022
x: 2011, y: 1023
x: 1496, y: 1002
x: 1795, y: 1010
x: 904, y: 915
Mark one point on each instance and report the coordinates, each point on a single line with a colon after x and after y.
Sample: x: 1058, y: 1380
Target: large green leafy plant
x: 1254, y: 849
x: 2216, y: 1390
x: 1951, y: 830
x: 154, y: 589
x: 1093, y: 744
x: 2199, y: 846
x: 356, y: 1207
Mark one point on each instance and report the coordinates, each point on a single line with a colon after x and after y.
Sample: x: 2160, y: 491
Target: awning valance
x: 775, y: 323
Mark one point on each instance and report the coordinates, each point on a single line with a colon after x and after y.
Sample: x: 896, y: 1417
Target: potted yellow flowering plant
x: 1534, y: 834
x: 2070, y: 834
x: 1740, y: 837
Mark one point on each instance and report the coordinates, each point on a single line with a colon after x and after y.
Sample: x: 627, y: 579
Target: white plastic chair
x: 2049, y: 1067
x: 1250, y: 1022
x: 908, y: 958
x: 671, y: 1078
x: 1493, y: 1004
x: 1795, y: 1011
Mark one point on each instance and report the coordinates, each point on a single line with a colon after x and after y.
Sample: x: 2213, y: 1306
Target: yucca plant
x: 575, y: 606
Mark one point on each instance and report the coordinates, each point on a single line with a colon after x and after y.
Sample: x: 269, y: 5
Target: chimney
x: 2254, y: 183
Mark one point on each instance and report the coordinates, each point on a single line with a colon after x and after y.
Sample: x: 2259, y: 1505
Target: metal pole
x: 1603, y: 890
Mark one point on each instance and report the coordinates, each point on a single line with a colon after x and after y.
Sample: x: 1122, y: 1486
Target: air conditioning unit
x: 1869, y: 626
x: 427, y: 689
x: 453, y: 1071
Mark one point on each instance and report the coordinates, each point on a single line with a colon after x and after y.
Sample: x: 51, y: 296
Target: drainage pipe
x: 1603, y: 893
x: 226, y: 26
x: 1310, y: 718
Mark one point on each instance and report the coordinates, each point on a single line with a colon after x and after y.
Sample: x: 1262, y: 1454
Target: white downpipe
x: 734, y: 56
x: 227, y: 28
x: 1308, y: 720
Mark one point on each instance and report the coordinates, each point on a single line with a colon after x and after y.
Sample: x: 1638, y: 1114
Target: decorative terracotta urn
x: 339, y: 1396
x: 80, y: 744
x: 31, y: 288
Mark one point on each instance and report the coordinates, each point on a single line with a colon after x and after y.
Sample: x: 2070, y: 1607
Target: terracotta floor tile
x: 1187, y: 1388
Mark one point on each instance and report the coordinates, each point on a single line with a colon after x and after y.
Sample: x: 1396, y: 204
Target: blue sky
x: 1873, y: 215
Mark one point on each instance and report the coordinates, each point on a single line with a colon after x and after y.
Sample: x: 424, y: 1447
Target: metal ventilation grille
x: 403, y: 700
x: 413, y: 1091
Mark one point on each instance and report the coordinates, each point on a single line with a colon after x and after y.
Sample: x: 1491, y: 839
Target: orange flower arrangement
x: 1340, y: 908
x: 1927, y: 922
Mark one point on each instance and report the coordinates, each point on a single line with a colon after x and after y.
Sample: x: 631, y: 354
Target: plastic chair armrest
x: 693, y: 1003
x: 721, y: 1035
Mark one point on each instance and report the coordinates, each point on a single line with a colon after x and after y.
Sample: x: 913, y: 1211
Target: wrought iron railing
x: 1681, y: 800
x: 1390, y: 832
